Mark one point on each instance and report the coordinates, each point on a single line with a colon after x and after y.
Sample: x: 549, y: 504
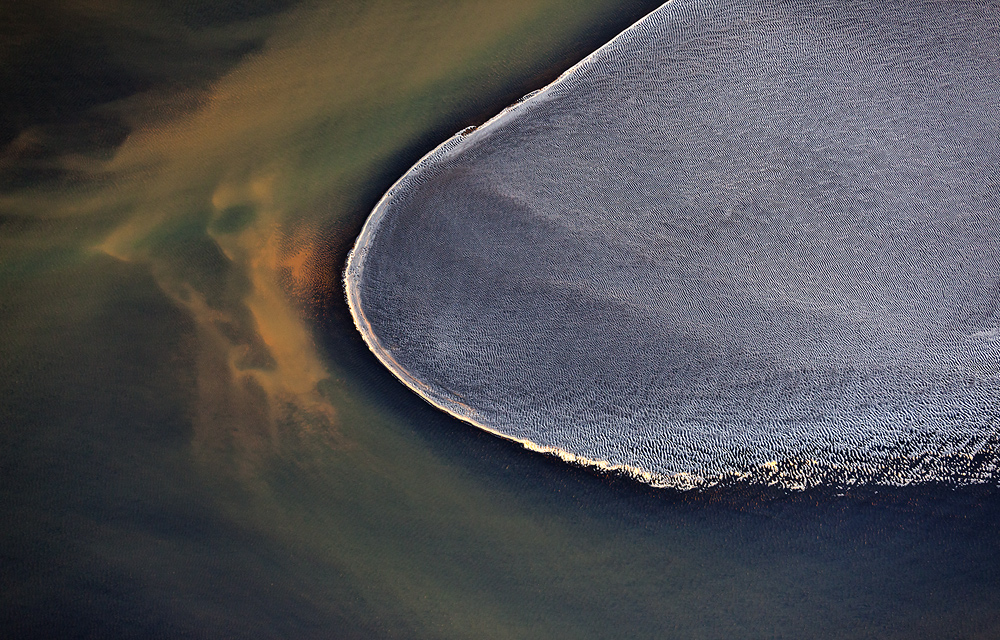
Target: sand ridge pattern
x: 754, y: 241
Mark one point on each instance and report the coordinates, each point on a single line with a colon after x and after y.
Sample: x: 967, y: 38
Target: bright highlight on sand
x: 755, y: 242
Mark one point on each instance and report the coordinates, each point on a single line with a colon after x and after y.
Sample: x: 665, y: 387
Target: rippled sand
x: 737, y: 242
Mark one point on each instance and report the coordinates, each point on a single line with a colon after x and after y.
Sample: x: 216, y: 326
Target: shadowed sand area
x: 737, y: 242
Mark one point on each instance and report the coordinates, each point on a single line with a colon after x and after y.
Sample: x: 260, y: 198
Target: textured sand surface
x: 740, y: 240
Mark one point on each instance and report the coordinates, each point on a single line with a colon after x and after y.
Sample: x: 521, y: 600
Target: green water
x: 195, y: 442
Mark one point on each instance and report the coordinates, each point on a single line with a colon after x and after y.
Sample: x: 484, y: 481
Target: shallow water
x: 195, y: 441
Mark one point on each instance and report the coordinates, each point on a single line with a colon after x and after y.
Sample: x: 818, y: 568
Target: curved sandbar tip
x: 757, y: 243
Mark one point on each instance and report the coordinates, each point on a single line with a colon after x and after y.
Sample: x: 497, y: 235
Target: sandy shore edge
x: 354, y: 271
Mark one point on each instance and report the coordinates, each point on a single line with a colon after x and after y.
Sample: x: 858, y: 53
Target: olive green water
x: 195, y: 442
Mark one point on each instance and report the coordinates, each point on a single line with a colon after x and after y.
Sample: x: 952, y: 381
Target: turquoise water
x: 194, y: 440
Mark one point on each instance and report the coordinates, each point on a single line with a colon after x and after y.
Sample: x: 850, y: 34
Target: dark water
x: 195, y: 442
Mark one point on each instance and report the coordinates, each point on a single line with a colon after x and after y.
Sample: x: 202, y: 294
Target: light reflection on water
x: 195, y: 440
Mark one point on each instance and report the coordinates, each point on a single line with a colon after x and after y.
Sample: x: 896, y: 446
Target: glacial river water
x: 196, y: 442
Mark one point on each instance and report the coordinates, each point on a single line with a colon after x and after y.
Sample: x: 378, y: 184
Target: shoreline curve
x: 355, y: 266
x: 793, y: 474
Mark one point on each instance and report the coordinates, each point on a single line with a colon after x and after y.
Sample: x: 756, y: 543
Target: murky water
x: 194, y: 441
